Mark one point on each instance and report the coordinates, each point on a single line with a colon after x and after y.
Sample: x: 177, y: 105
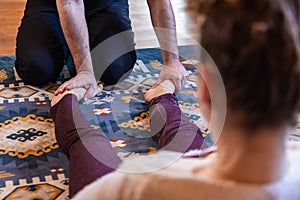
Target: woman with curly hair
x: 255, y: 46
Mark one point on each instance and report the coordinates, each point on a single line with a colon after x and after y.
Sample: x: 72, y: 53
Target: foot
x: 78, y: 92
x: 166, y: 87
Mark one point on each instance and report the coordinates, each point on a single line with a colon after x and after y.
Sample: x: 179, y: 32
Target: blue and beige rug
x: 31, y: 164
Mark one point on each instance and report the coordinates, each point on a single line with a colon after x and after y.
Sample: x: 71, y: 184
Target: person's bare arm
x: 73, y: 23
x: 163, y: 21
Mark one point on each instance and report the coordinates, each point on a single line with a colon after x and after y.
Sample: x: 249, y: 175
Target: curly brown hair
x: 256, y: 56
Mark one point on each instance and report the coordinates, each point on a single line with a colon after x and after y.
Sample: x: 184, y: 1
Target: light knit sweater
x: 177, y: 178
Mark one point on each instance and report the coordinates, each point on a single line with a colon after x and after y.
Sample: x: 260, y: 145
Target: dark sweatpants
x: 41, y: 47
x: 90, y: 153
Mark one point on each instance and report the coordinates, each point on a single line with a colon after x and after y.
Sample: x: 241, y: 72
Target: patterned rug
x: 31, y: 164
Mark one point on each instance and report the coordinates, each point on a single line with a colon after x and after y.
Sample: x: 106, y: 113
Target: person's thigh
x: 112, y: 43
x: 41, y: 48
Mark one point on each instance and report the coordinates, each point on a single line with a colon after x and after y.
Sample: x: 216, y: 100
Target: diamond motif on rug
x: 43, y: 191
x: 15, y: 92
x: 101, y: 111
x: 36, y: 136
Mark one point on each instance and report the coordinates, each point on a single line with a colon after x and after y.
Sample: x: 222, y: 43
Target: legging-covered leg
x: 90, y: 153
x: 171, y: 127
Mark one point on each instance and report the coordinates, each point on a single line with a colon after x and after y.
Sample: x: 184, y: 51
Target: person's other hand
x: 174, y: 72
x: 83, y: 79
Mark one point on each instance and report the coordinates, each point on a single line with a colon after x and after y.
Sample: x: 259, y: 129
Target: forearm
x: 72, y: 19
x: 163, y: 21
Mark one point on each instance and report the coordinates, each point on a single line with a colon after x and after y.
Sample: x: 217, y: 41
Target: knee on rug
x: 37, y: 67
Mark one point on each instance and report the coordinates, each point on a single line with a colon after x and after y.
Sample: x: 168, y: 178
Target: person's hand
x: 83, y: 79
x: 174, y: 72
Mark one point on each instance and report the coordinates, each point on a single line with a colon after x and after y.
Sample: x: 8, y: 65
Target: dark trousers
x: 90, y: 153
x: 41, y: 48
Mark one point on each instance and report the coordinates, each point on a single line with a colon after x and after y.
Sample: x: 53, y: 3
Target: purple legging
x: 173, y: 131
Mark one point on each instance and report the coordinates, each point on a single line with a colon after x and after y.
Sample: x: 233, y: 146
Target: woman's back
x: 187, y: 179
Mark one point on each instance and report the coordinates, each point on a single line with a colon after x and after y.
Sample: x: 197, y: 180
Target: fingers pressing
x: 91, y: 92
x: 60, y: 89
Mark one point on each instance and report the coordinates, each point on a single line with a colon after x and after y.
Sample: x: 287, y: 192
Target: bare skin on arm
x: 163, y: 21
x: 72, y: 19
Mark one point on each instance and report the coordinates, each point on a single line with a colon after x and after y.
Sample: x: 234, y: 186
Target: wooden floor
x: 11, y: 12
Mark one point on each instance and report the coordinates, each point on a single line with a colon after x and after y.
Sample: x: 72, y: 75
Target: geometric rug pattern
x: 32, y: 165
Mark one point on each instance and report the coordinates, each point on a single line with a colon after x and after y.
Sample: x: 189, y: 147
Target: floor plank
x: 11, y: 12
